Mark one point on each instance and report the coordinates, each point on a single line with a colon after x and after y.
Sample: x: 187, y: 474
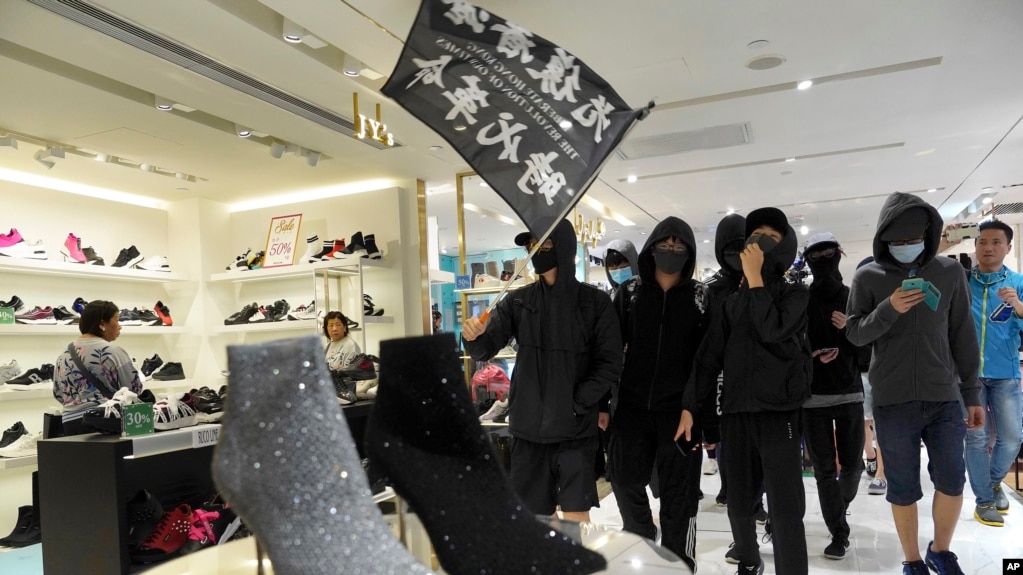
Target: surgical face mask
x: 906, y: 254
x: 670, y: 262
x: 766, y: 243
x: 544, y: 260
x: 621, y: 275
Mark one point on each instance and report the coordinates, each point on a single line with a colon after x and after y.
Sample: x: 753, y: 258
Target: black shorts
x: 547, y: 475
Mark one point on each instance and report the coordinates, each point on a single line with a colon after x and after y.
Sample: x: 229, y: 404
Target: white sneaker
x: 303, y: 312
x: 710, y: 467
x: 23, y: 249
x: 877, y: 487
x: 498, y: 409
x: 10, y: 370
x: 155, y: 264
x: 24, y: 446
x: 173, y: 413
x: 487, y: 281
x: 312, y: 247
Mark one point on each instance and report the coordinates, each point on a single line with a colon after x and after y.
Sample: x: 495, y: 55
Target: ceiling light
x: 790, y: 159
x: 484, y: 185
x: 39, y: 160
x: 987, y: 200
x: 9, y: 142
x: 932, y: 190
x: 47, y: 157
x: 306, y: 195
x: 444, y: 250
x: 242, y: 131
x: 292, y: 32
x: 565, y: 124
x: 804, y: 230
x: 436, y: 148
x: 766, y: 62
x: 706, y: 241
x: 101, y: 158
x: 459, y: 127
x: 804, y: 85
x: 311, y: 157
x: 181, y: 175
x: 80, y: 189
x: 147, y: 168
x: 987, y: 189
x: 631, y: 179
x: 730, y: 211
x: 163, y: 104
x: 757, y: 44
x: 277, y: 148
x: 351, y: 66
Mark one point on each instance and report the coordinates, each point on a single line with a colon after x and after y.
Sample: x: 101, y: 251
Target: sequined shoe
x: 288, y: 466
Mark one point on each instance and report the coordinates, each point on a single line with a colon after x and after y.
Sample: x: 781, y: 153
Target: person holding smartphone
x: 997, y: 313
x: 661, y: 314
x: 923, y: 369
x: 833, y: 416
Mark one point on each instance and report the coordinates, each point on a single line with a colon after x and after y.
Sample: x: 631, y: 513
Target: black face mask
x: 670, y: 263
x: 766, y: 242
x: 544, y: 261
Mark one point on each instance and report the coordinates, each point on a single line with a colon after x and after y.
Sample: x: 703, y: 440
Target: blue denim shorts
x: 901, y: 427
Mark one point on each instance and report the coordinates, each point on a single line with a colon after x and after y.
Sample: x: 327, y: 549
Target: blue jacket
x: 999, y: 341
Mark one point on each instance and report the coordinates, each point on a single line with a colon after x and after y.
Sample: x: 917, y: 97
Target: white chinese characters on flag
x: 502, y: 97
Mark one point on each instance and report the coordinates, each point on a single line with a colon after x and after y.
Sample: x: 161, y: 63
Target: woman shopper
x: 341, y: 349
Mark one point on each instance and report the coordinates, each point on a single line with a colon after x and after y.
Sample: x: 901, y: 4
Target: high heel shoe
x: 287, y: 464
x: 423, y: 434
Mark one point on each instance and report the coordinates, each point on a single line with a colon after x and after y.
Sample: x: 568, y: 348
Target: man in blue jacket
x: 997, y: 313
x: 570, y: 352
x: 924, y: 363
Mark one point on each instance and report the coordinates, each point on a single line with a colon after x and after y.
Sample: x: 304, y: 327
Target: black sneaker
x: 209, y: 406
x: 721, y: 500
x: 150, y: 365
x: 91, y: 257
x: 171, y: 371
x: 129, y: 317
x: 12, y: 433
x: 242, y: 317
x: 35, y: 378
x: 148, y: 317
x: 836, y: 549
x: 128, y: 257
x: 362, y: 367
x: 30, y: 534
x: 22, y: 524
x: 732, y: 555
x: 15, y: 303
x: 144, y: 512
x: 871, y: 467
x: 344, y: 386
x: 64, y: 316
x: 757, y: 569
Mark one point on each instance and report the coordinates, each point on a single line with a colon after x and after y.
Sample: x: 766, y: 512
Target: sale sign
x: 282, y: 241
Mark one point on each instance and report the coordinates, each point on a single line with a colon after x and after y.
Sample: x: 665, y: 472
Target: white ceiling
x: 909, y: 96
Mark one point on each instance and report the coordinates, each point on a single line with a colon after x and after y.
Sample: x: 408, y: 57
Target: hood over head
x: 731, y: 230
x: 778, y: 260
x: 628, y: 250
x: 565, y: 246
x: 904, y: 214
x: 670, y: 226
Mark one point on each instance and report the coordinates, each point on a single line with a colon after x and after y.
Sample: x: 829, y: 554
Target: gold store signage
x: 370, y: 128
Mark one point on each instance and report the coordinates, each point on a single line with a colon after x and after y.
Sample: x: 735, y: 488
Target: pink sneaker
x: 8, y: 240
x: 73, y: 249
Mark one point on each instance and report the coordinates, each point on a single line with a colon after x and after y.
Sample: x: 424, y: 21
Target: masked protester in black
x: 833, y: 416
x: 569, y: 354
x: 661, y: 313
x: 759, y: 341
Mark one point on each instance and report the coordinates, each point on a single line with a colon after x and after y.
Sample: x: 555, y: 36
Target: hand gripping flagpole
x: 564, y: 213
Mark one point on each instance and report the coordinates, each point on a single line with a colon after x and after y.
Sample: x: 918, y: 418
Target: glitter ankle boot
x: 425, y: 437
x: 288, y: 466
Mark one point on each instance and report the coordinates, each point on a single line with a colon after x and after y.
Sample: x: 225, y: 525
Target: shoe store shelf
x: 337, y: 267
x: 8, y: 394
x: 53, y: 268
x: 13, y: 462
x: 299, y: 325
x: 192, y: 437
x: 72, y: 330
x: 487, y: 290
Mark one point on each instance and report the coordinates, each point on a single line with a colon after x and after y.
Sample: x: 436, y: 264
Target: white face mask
x: 906, y: 254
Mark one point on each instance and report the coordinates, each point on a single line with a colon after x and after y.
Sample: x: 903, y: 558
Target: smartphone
x: 686, y: 447
x: 913, y: 283
x: 825, y: 350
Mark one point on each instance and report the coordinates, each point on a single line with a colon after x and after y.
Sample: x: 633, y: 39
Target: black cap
x: 767, y: 216
x: 523, y: 238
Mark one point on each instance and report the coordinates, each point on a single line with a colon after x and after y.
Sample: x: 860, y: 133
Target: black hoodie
x: 661, y: 330
x: 759, y: 341
x: 837, y: 381
x: 732, y: 228
x: 569, y: 350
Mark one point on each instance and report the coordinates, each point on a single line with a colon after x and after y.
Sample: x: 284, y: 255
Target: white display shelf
x: 334, y: 267
x: 174, y: 440
x: 286, y: 325
x: 488, y: 290
x: 72, y: 330
x: 438, y: 277
x: 8, y: 394
x: 64, y: 269
x: 15, y: 462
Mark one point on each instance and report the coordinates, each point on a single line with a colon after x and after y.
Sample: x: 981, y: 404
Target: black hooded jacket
x: 759, y: 341
x: 569, y: 350
x: 722, y: 284
x: 661, y: 329
x: 841, y: 376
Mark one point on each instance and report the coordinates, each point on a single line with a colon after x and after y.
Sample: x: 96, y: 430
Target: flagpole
x: 568, y: 208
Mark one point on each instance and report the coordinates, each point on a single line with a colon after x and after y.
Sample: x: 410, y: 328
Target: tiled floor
x: 874, y: 544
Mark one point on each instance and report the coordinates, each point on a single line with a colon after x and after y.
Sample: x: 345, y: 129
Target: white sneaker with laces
x: 877, y: 487
x: 172, y: 413
x: 710, y: 467
x: 155, y: 264
x: 497, y: 409
x: 24, y: 446
x: 10, y: 370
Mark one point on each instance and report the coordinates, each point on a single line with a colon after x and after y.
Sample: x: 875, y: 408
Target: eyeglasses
x: 912, y: 242
x: 676, y: 248
x: 547, y: 246
x: 825, y: 253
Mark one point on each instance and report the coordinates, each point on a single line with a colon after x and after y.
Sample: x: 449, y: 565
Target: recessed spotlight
x: 617, y: 231
x: 163, y: 104
x: 932, y: 190
x: 804, y: 85
x: 730, y: 211
x: 631, y: 179
x: 758, y: 44
x: 987, y: 189
x: 242, y: 131
x: 484, y: 185
x: 444, y: 250
x: 987, y: 200
x: 436, y: 148
x: 182, y: 189
x: 790, y: 159
x: 459, y: 127
x: 766, y: 62
x: 101, y: 158
x: 642, y: 233
x: 804, y: 230
x: 147, y: 167
x: 292, y: 32
x: 9, y: 142
x: 565, y: 124
x: 706, y: 241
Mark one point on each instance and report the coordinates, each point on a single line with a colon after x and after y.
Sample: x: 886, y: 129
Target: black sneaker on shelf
x: 35, y: 378
x: 150, y: 365
x: 344, y: 386
x: 362, y: 367
x: 279, y: 311
x: 25, y: 533
x: 171, y: 371
x: 127, y: 257
x: 12, y: 433
x: 372, y: 251
x: 15, y: 303
x: 91, y: 257
x: 21, y: 525
x: 209, y: 407
x: 65, y: 316
x: 129, y: 317
x: 144, y: 512
x: 242, y: 317
x: 355, y: 246
x: 148, y: 317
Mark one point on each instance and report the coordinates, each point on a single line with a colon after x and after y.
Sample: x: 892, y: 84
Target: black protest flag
x: 530, y: 118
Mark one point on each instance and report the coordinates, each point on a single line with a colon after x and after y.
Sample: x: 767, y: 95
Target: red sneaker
x: 167, y: 538
x: 163, y: 312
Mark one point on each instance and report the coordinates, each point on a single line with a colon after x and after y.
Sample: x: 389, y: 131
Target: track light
x: 163, y: 104
x: 292, y: 32
x: 277, y: 149
x: 350, y: 66
x: 47, y: 157
x: 242, y: 131
x: 147, y: 167
x: 311, y: 157
x: 9, y: 142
